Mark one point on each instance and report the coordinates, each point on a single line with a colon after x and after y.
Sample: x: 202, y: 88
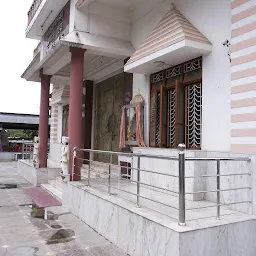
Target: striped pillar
x: 54, y: 123
x: 243, y: 76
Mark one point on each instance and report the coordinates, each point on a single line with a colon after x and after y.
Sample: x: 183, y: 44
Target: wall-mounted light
x: 228, y: 45
x: 159, y: 64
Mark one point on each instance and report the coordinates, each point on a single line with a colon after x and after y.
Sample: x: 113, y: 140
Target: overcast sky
x: 16, y: 94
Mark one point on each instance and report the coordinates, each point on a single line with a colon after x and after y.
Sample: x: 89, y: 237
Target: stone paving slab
x: 62, y: 234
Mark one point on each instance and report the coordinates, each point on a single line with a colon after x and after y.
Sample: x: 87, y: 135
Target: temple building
x: 144, y: 77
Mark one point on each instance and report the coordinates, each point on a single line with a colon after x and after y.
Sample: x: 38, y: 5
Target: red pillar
x: 44, y: 121
x: 75, y: 106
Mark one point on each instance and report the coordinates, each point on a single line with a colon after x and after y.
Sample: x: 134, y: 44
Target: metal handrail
x: 126, y: 154
x: 182, y: 159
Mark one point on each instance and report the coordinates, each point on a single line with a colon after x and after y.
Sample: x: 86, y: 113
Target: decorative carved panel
x: 32, y: 11
x: 57, y: 30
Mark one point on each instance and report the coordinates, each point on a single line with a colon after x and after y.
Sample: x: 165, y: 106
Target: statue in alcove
x: 133, y: 120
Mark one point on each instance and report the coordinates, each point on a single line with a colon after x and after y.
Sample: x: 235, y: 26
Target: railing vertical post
x: 138, y: 183
x: 218, y: 190
x: 73, y: 164
x: 182, y: 217
x: 109, y: 174
x: 26, y: 151
x: 30, y: 155
x: 23, y: 150
x: 89, y: 171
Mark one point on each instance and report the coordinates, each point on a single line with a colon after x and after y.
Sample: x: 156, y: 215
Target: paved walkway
x: 24, y: 232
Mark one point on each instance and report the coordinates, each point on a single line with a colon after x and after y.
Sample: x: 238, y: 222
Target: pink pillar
x: 75, y: 105
x: 44, y: 120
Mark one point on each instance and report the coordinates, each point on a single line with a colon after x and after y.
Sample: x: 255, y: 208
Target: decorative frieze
x: 172, y: 72
x: 158, y: 77
x: 193, y: 65
x: 32, y: 11
x: 57, y: 29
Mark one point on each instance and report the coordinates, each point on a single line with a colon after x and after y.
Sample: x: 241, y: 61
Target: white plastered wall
x: 102, y: 20
x: 213, y: 19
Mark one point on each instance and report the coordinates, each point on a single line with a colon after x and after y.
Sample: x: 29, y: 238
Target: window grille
x: 194, y: 113
x: 172, y: 117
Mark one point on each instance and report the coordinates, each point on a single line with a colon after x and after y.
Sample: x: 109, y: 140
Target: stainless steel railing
x: 180, y: 160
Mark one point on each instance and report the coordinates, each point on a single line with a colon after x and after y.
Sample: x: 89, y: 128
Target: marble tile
x: 210, y: 242
x: 108, y: 250
x: 168, y: 167
x: 241, y: 239
x: 134, y: 234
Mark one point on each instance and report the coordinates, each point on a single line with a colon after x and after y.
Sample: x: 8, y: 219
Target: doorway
x: 109, y: 101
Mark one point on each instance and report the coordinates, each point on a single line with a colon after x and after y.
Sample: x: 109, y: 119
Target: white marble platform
x: 170, y: 202
x: 143, y: 231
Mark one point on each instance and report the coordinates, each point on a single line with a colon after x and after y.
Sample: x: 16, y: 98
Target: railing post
x: 26, y: 151
x: 138, y: 183
x: 22, y: 156
x: 109, y: 174
x: 182, y: 217
x: 73, y: 164
x: 89, y: 171
x: 218, y: 190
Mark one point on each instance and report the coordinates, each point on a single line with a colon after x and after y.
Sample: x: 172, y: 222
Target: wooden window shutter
x: 152, y: 128
x: 163, y: 117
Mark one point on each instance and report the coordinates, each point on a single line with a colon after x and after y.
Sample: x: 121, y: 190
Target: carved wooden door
x: 109, y: 98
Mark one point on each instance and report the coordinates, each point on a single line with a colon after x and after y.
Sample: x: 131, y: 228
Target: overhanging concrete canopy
x: 173, y: 41
x: 59, y: 56
x: 99, y: 45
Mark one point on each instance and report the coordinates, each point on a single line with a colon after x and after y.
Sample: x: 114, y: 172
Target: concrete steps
x: 54, y: 187
x: 99, y: 170
x: 53, y: 191
x: 57, y: 183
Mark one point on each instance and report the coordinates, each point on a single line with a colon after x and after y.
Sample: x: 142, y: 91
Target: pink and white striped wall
x: 54, y: 117
x: 243, y: 76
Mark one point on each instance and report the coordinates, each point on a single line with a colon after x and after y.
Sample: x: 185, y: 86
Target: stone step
x: 53, y: 191
x: 57, y: 183
x: 99, y: 170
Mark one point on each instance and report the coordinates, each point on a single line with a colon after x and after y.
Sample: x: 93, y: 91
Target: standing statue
x: 36, y: 152
x: 65, y: 159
